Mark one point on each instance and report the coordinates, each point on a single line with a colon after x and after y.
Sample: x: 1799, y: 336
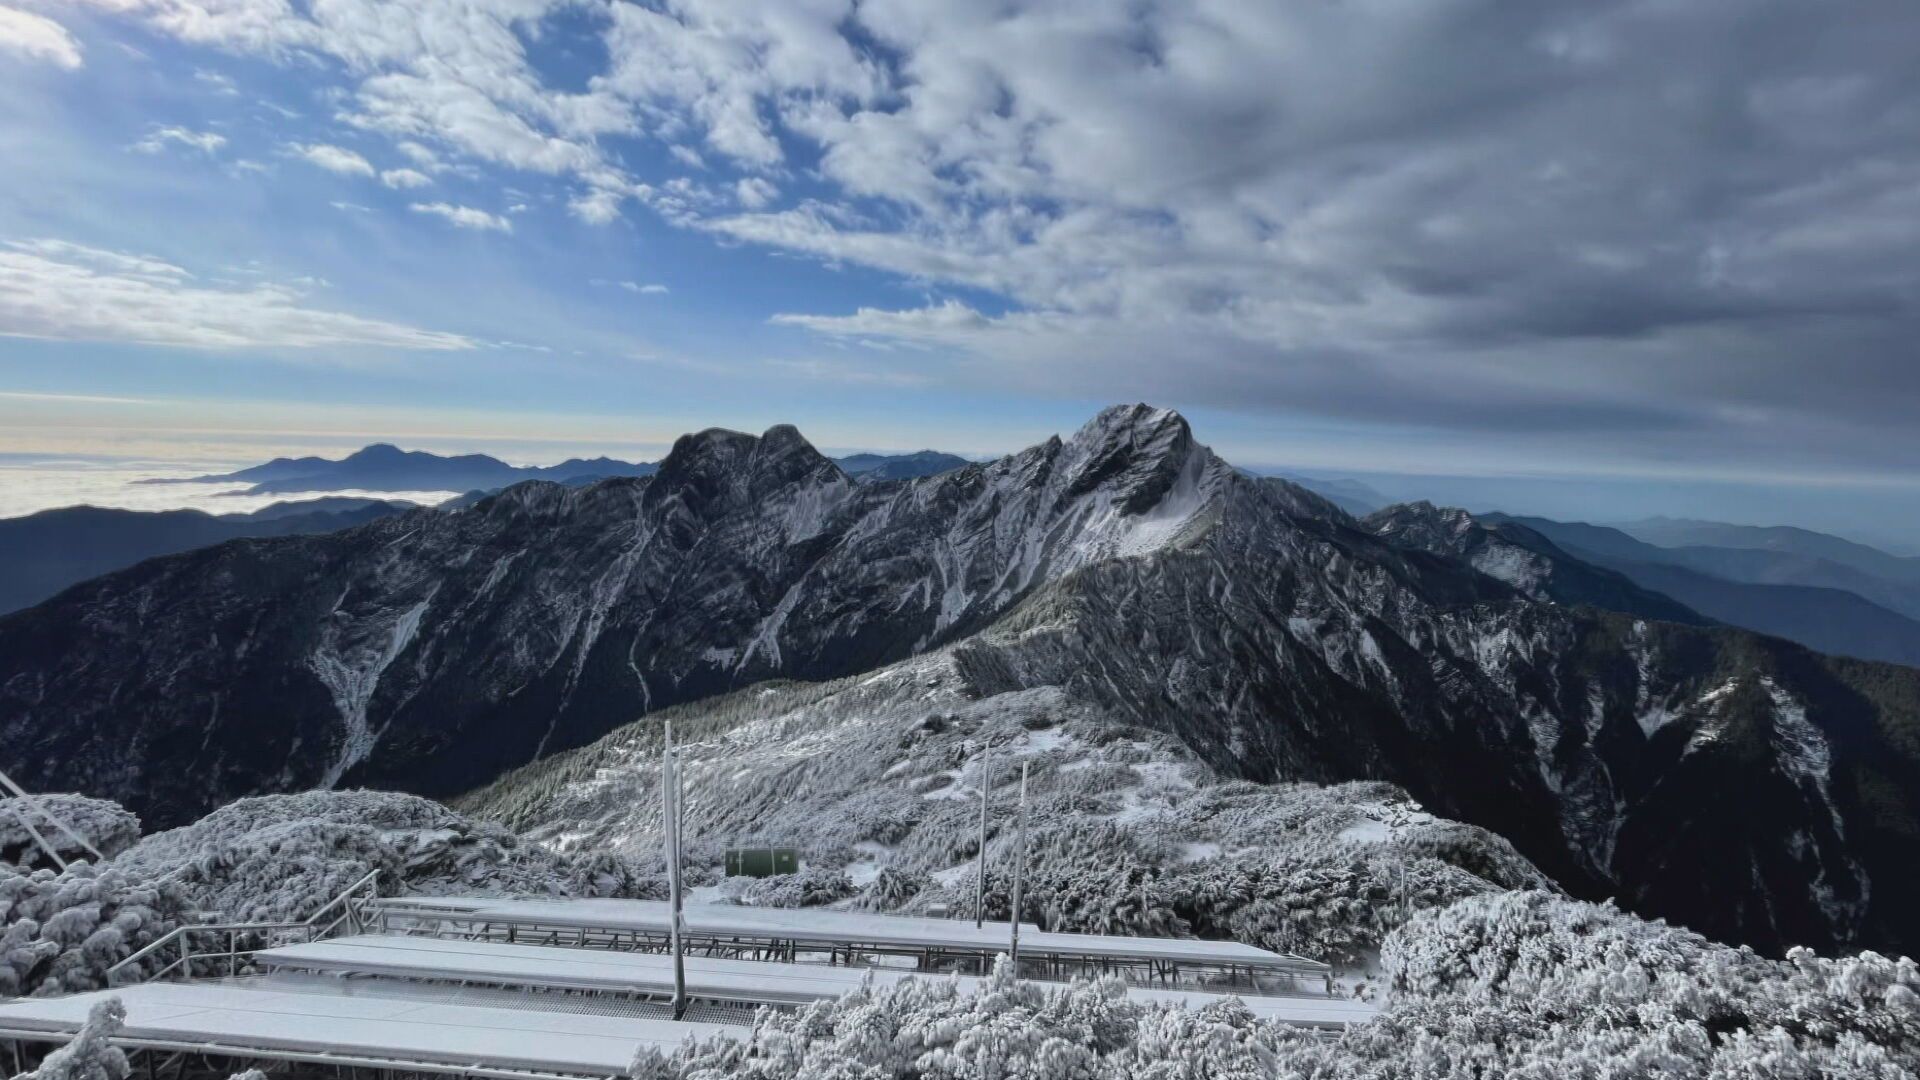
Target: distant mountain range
x: 1524, y: 557
x: 900, y: 466
x: 1783, y: 540
x: 1824, y: 605
x: 1352, y: 496
x: 1822, y: 591
x: 384, y: 467
x: 43, y: 553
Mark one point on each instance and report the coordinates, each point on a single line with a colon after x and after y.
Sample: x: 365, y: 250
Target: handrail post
x: 1019, y: 868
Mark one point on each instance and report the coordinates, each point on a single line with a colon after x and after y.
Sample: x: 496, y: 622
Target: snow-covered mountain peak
x: 736, y: 466
x: 1139, y: 423
x: 705, y: 450
x: 1137, y: 451
x: 782, y: 445
x: 1420, y: 523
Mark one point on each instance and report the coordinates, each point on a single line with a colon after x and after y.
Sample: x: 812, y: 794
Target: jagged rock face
x: 1734, y: 783
x: 432, y: 650
x: 1523, y: 559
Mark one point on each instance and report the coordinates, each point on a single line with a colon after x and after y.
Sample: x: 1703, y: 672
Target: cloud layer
x: 1687, y: 226
x: 63, y: 291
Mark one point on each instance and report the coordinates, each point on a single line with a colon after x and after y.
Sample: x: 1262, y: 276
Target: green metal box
x: 762, y: 861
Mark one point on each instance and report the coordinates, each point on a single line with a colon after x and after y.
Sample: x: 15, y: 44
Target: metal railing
x: 346, y: 910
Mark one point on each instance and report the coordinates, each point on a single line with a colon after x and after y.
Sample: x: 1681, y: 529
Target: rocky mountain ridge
x: 462, y: 643
x: 1735, y: 783
x: 43, y: 553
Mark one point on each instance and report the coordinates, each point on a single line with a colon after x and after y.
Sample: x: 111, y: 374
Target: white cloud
x: 405, y: 178
x: 755, y: 192
x: 597, y: 206
x: 207, y: 142
x: 466, y: 217
x: 418, y: 154
x: 37, y: 37
x: 72, y: 399
x: 58, y: 290
x: 935, y: 322
x: 222, y: 85
x: 1564, y: 212
x: 334, y: 159
x: 112, y: 262
x: 649, y: 289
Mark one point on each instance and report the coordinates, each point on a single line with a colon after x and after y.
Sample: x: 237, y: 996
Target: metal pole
x: 670, y: 830
x: 1019, y: 867
x: 7, y: 782
x: 21, y: 815
x: 980, y: 884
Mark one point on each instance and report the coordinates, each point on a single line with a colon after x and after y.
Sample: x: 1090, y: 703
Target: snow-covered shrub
x: 930, y: 1030
x: 882, y: 820
x: 1535, y: 982
x: 891, y: 888
x: 273, y: 859
x: 59, y: 932
x: 1329, y: 899
x: 1568, y: 991
x: 90, y: 1055
x: 1128, y: 831
x: 282, y: 857
x: 811, y: 887
x: 108, y: 826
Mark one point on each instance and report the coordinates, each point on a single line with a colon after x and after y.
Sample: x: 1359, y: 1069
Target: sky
x: 1604, y: 257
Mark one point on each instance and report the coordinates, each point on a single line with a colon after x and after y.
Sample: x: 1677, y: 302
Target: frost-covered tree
x: 273, y: 859
x: 811, y: 887
x: 1525, y: 985
x: 281, y: 857
x: 932, y: 1030
x: 1128, y: 831
x: 90, y: 1055
x: 108, y: 826
x: 59, y: 932
x: 892, y: 888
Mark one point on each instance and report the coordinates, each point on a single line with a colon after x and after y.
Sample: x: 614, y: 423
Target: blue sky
x: 1621, y: 246
x: 542, y: 334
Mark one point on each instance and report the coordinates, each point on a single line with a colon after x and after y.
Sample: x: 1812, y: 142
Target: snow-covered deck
x: 827, y: 930
x: 651, y: 974
x: 417, y: 1030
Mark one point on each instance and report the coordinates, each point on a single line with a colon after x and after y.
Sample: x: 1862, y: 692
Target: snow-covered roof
x: 812, y: 925
x: 424, y: 1031
x: 746, y: 981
